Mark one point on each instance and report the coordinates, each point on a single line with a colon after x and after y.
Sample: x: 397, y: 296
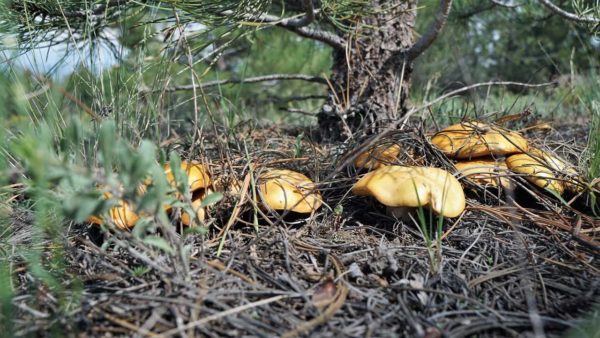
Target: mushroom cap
x: 542, y: 168
x: 398, y: 186
x: 486, y: 171
x: 378, y: 156
x: 282, y: 189
x: 475, y: 139
x: 200, y: 212
x: 122, y: 216
x: 198, y: 177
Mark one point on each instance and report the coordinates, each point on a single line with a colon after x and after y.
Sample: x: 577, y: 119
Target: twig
x: 298, y: 111
x: 223, y: 314
x: 306, y: 19
x: 296, y: 98
x: 507, y: 4
x: 130, y: 326
x: 235, y: 213
x: 432, y: 32
x: 311, y: 33
x: 341, y: 294
x: 326, y: 37
x: 264, y: 78
x: 568, y: 15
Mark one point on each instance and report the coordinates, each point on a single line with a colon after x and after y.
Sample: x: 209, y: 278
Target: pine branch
x: 208, y: 84
x: 568, y: 15
x: 99, y: 10
x: 503, y: 3
x: 307, y: 19
x: 432, y: 32
x: 326, y: 37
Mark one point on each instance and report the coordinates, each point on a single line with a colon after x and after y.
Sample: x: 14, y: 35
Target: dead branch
x: 328, y: 38
x: 264, y: 78
x: 432, y: 32
x: 504, y: 3
x: 305, y: 20
x: 568, y: 15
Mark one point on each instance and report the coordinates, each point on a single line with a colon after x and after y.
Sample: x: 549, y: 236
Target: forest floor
x: 520, y: 265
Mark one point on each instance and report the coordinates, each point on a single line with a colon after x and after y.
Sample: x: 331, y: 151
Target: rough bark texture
x: 370, y: 81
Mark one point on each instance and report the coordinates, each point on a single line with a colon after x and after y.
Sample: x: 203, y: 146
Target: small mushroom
x: 487, y: 172
x: 541, y: 168
x: 199, y: 184
x: 121, y: 215
x: 198, y: 177
x: 377, y: 157
x: 282, y: 189
x: 476, y: 139
x: 197, y: 207
x: 402, y: 189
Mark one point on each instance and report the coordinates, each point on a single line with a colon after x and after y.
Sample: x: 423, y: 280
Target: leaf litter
x: 509, y: 266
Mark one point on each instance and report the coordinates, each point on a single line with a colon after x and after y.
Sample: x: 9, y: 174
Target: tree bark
x: 370, y: 81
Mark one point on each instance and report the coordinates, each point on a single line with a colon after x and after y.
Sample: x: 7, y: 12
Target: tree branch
x: 326, y: 37
x: 432, y: 32
x: 298, y: 111
x: 278, y: 99
x: 306, y: 19
x: 567, y: 15
x: 507, y: 4
x: 272, y: 77
x: 98, y: 10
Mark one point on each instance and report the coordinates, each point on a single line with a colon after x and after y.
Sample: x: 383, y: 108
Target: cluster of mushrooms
x: 279, y: 189
x: 488, y: 154
x: 485, y: 154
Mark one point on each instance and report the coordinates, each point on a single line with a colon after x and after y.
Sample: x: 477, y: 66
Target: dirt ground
x: 524, y: 265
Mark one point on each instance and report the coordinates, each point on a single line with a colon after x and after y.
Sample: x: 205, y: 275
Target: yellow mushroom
x: 543, y: 169
x: 476, y: 139
x: 200, y: 212
x: 486, y: 171
x: 199, y: 182
x: 121, y: 215
x: 378, y: 156
x: 402, y: 189
x: 198, y: 177
x: 282, y: 189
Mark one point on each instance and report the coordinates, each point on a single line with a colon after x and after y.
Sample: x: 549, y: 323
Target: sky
x: 60, y: 60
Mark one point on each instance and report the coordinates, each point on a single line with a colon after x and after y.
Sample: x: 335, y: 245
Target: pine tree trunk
x: 370, y: 86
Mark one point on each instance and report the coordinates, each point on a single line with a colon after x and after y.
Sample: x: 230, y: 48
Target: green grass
x: 593, y: 149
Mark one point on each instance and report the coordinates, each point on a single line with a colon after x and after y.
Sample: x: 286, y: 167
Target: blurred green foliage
x: 483, y: 41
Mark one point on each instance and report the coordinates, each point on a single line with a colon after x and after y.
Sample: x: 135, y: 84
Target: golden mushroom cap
x: 95, y: 220
x: 122, y: 216
x: 198, y: 177
x: 398, y: 186
x: 486, y: 171
x: 476, y: 139
x: 200, y: 212
x: 282, y: 189
x: 378, y: 156
x: 542, y: 168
